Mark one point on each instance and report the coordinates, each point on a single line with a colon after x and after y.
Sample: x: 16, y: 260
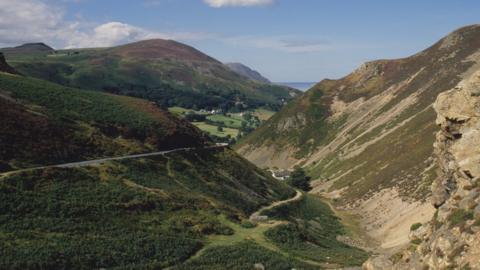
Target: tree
x: 220, y: 129
x: 300, y: 180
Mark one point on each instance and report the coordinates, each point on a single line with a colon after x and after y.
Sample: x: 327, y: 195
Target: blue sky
x: 286, y: 40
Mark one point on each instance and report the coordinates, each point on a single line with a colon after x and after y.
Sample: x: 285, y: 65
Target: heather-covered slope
x: 134, y: 214
x: 367, y: 138
x: 187, y: 209
x: 44, y: 123
x: 167, y: 72
x: 247, y: 72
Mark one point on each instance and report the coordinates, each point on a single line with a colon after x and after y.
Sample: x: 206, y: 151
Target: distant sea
x: 302, y: 86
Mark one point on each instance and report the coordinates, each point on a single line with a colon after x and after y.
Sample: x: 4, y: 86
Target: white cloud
x: 287, y: 44
x: 115, y: 33
x: 237, y: 3
x: 38, y: 21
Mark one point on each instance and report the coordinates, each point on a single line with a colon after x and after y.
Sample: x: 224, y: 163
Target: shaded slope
x: 5, y: 67
x: 44, y: 123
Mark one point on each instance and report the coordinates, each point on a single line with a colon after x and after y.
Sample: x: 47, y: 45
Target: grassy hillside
x: 146, y: 213
x: 373, y: 129
x: 44, y: 123
x: 164, y: 71
x: 186, y: 210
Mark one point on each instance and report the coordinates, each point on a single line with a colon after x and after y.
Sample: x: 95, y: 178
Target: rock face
x: 451, y: 240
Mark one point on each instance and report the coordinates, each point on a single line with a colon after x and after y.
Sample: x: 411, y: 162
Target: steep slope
x: 247, y: 72
x: 5, y: 67
x: 44, y: 123
x: 451, y: 239
x: 167, y: 72
x: 367, y: 138
x: 187, y: 209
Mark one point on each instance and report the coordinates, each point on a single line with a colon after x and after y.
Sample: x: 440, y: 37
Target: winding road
x: 103, y: 160
x: 257, y: 215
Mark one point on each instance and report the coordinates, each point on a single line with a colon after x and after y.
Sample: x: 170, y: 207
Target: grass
x: 243, y: 255
x: 144, y: 213
x: 45, y: 123
x: 170, y: 82
x: 311, y: 233
x: 263, y: 114
x: 460, y: 216
x: 231, y: 122
x: 178, y: 110
x: 213, y: 130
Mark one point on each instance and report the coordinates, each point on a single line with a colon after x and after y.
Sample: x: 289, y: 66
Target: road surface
x: 103, y: 160
x: 257, y: 215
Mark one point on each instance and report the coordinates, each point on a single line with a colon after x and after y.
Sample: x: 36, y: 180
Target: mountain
x: 247, y: 72
x: 28, y: 49
x: 450, y: 240
x: 187, y: 209
x: 367, y: 138
x: 164, y: 71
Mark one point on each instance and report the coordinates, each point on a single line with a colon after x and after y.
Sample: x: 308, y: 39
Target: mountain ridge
x: 164, y: 71
x: 367, y: 138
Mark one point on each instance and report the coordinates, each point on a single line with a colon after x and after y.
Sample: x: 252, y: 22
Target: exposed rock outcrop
x: 452, y: 239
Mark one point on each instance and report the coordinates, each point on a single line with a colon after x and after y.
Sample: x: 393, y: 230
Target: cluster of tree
x: 299, y: 179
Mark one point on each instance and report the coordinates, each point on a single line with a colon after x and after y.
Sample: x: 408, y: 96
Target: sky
x: 285, y: 40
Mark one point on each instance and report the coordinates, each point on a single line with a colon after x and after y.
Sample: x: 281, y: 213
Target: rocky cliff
x: 451, y: 240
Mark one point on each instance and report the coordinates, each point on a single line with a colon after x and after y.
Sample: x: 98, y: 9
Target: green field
x: 234, y: 124
x: 213, y: 130
x: 228, y: 121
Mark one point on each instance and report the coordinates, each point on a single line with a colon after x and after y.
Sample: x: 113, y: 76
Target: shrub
x: 415, y: 226
x: 459, y: 216
x: 300, y: 180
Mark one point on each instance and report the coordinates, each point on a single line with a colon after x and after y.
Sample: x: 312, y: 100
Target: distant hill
x: 27, y: 49
x: 164, y: 71
x: 247, y: 72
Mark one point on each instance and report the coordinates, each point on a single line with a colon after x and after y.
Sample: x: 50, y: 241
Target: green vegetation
x: 179, y: 76
x: 298, y: 179
x: 44, y: 123
x: 145, y: 213
x: 311, y: 233
x: 213, y: 130
x: 242, y: 256
x: 415, y: 226
x: 222, y: 127
x: 460, y: 216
